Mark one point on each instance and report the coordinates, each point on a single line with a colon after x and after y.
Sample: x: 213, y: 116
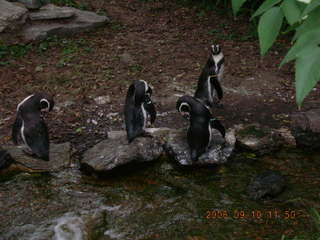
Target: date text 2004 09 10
x: 253, y: 214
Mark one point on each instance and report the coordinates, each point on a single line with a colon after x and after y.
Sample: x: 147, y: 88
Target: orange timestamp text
x: 288, y: 214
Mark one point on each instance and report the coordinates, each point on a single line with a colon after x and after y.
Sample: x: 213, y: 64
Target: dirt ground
x: 161, y: 42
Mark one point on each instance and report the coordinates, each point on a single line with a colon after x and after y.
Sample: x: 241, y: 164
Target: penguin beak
x: 185, y: 115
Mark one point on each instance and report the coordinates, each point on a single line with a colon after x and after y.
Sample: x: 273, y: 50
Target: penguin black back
x: 209, y: 83
x: 138, y: 104
x: 201, y: 121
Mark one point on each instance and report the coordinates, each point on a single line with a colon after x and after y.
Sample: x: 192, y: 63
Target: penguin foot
x: 28, y: 152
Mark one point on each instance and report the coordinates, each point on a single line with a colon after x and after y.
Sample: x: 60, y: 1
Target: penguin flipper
x: 216, y: 124
x: 37, y: 138
x: 217, y: 87
x: 16, y: 129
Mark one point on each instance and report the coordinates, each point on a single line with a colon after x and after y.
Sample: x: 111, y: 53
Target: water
x: 163, y: 201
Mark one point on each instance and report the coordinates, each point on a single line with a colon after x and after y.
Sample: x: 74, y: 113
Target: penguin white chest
x: 211, y: 93
x: 144, y: 114
x: 210, y: 134
x: 23, y: 136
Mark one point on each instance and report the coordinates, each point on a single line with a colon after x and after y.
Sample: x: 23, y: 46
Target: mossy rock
x: 258, y: 139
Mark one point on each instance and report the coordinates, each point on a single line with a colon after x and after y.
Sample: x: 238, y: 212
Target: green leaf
x: 236, y: 5
x: 310, y: 7
x: 265, y: 6
x: 311, y: 23
x: 269, y: 27
x: 291, y: 11
x: 307, y: 74
x: 307, y: 40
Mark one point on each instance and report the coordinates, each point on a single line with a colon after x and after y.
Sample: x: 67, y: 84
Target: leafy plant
x: 301, y: 17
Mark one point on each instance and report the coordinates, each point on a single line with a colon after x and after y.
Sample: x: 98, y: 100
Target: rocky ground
x: 162, y: 42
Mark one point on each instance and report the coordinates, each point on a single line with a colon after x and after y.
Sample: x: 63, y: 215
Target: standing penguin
x: 138, y: 105
x: 30, y: 126
x: 201, y: 123
x: 209, y: 83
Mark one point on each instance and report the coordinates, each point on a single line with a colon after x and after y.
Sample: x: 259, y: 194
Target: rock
x: 102, y: 100
x: 259, y: 139
x: 220, y: 150
x: 31, y: 4
x: 305, y: 128
x: 266, y: 184
x: 11, y: 15
x: 82, y: 21
x: 115, y: 151
x: 59, y: 159
x: 48, y: 14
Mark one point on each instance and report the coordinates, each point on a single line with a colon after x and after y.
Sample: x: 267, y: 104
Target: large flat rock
x: 219, y: 150
x: 82, y: 21
x: 59, y: 159
x: 115, y: 151
x: 11, y: 15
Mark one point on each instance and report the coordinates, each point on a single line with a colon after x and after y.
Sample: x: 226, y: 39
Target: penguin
x: 5, y: 159
x: 199, y: 133
x: 30, y: 126
x: 138, y: 106
x: 209, y: 82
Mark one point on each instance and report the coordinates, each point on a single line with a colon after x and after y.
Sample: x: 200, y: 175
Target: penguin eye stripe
x: 47, y: 102
x: 184, y: 105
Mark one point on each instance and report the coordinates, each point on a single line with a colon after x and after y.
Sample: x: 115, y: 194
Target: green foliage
x: 15, y: 51
x: 302, y: 18
x: 236, y: 5
x: 269, y: 28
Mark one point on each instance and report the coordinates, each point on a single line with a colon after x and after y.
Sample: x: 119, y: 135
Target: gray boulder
x: 305, y: 127
x: 115, y: 151
x: 82, y: 21
x: 219, y: 150
x: 266, y: 184
x: 59, y: 159
x: 11, y: 15
x: 31, y: 4
x: 49, y: 13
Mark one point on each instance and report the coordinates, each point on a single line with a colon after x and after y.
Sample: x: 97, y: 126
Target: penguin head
x: 189, y: 106
x: 142, y: 93
x: 216, y: 59
x: 184, y: 109
x: 41, y: 102
x: 215, y: 49
x: 46, y: 103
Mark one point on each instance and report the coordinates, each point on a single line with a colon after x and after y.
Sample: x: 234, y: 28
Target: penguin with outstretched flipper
x: 199, y: 133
